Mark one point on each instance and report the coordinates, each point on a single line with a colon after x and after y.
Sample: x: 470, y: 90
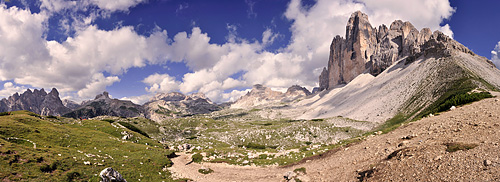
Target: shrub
x: 308, y: 143
x: 51, y: 117
x: 197, y: 158
x: 317, y: 119
x: 109, y: 120
x: 71, y: 176
x: 255, y: 146
x: 461, y: 99
x: 205, y: 171
x: 48, y: 168
x: 455, y: 146
x: 300, y: 170
x: 263, y: 156
x: 133, y: 128
x: 4, y: 113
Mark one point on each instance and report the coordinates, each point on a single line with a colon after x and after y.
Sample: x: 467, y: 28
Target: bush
x: 461, y: 99
x: 308, y: 143
x: 48, y: 168
x: 4, y: 113
x: 263, y: 156
x: 197, y: 158
x: 51, y: 117
x: 109, y: 120
x: 300, y: 170
x: 133, y: 128
x: 205, y: 171
x: 453, y: 147
x: 71, y: 176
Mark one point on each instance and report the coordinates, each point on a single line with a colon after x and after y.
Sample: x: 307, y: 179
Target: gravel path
x: 415, y: 151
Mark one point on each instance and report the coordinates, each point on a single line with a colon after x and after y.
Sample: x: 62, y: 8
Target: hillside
x: 458, y: 145
x: 37, y: 148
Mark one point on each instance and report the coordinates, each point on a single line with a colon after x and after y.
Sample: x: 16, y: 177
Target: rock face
x: 260, y: 95
x: 37, y: 101
x: 103, y: 105
x: 163, y: 106
x: 366, y: 49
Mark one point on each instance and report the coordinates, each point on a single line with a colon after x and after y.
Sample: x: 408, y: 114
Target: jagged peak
x: 104, y: 95
x: 53, y: 92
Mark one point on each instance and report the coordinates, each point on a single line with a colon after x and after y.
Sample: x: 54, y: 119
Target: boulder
x: 110, y: 175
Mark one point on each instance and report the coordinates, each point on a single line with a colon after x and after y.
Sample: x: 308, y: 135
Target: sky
x: 136, y: 48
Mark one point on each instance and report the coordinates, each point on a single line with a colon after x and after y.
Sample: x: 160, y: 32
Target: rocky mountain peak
x: 37, y: 101
x: 366, y: 49
x: 53, y: 92
x: 104, y: 95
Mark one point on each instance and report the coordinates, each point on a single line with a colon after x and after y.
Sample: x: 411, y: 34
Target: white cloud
x: 161, y: 83
x: 495, y: 55
x: 108, y: 5
x: 9, y: 88
x: 97, y: 85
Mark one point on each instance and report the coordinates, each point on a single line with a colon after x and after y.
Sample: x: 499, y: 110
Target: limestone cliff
x: 366, y: 49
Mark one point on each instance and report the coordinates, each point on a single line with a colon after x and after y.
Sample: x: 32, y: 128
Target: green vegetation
x: 300, y: 170
x: 108, y: 120
x: 197, y: 158
x: 461, y: 99
x: 34, y: 149
x: 455, y: 146
x: 205, y: 171
x: 4, y: 113
x: 133, y: 128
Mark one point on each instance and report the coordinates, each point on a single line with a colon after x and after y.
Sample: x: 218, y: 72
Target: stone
x: 487, y: 163
x: 452, y: 108
x: 289, y: 175
x: 110, y: 175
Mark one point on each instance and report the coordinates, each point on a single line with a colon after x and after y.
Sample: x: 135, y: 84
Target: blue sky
x: 136, y: 48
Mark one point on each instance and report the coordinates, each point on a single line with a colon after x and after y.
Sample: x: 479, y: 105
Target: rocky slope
x: 104, y: 105
x: 261, y: 95
x: 163, y: 105
x: 37, y: 101
x: 366, y: 49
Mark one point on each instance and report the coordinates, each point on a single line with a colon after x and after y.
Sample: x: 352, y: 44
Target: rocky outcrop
x: 111, y: 175
x: 70, y: 104
x: 37, y: 101
x: 366, y: 49
x: 163, y: 106
x: 103, y: 105
x: 261, y: 95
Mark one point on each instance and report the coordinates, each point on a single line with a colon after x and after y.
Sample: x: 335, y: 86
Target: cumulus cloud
x: 76, y: 64
x: 161, y: 83
x: 108, y: 5
x: 495, y: 55
x: 9, y: 88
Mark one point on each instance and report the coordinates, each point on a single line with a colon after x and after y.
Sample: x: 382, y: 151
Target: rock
x: 372, y: 50
x: 452, y: 108
x: 110, y: 175
x: 487, y: 162
x: 404, y: 143
x: 289, y: 175
x: 86, y: 162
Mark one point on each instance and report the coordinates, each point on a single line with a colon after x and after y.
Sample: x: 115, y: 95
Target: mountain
x: 261, y: 95
x: 104, y: 105
x: 375, y: 74
x: 366, y: 49
x: 163, y: 105
x: 37, y: 101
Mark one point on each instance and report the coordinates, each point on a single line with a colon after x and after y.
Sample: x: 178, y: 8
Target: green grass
x: 300, y: 170
x: 197, y: 158
x: 63, y: 146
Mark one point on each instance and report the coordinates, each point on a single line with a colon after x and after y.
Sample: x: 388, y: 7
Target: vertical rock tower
x: 371, y: 50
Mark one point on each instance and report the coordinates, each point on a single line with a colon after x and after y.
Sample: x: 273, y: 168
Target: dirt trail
x: 421, y: 156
